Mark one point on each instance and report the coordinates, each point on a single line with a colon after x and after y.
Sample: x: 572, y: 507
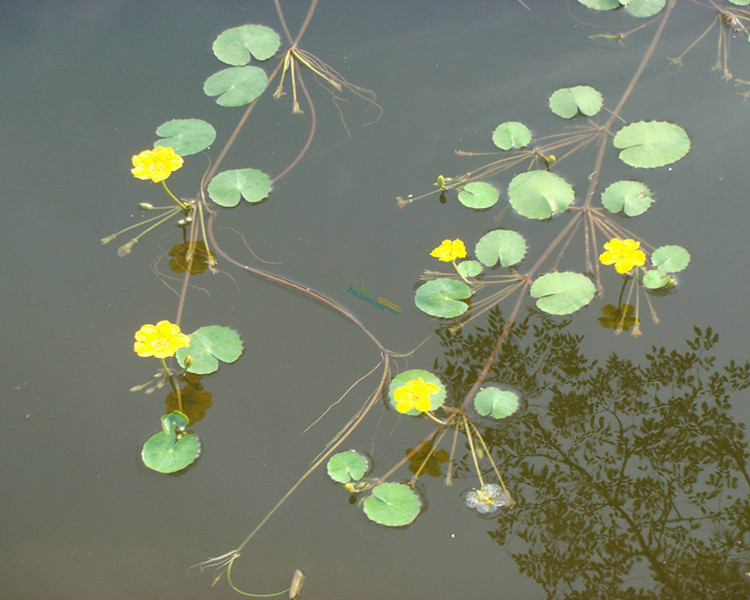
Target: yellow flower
x: 156, y: 164
x: 624, y: 254
x: 449, y: 251
x: 414, y: 394
x: 160, y: 340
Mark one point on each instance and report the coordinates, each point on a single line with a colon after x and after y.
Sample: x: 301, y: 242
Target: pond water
x: 630, y: 477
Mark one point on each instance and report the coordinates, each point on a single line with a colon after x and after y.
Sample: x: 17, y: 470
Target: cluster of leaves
x: 397, y: 504
x: 237, y: 85
x: 540, y: 194
x: 617, y: 464
x: 174, y: 448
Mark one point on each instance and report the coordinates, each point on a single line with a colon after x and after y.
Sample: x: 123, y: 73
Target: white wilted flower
x: 487, y: 499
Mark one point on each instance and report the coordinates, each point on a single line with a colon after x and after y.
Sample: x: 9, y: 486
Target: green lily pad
x: 347, y: 466
x: 562, y: 293
x: 436, y: 400
x: 234, y: 46
x: 392, y: 504
x: 601, y: 4
x: 655, y: 279
x: 651, y: 144
x: 740, y: 2
x: 186, y: 136
x: 539, y: 194
x: 209, y: 345
x: 511, y: 134
x: 469, y: 268
x: 478, y: 195
x: 495, y: 402
x: 228, y: 187
x: 165, y: 451
x: 509, y: 247
x: 643, y: 8
x: 236, y: 86
x: 567, y: 102
x: 442, y: 298
x: 670, y: 259
x: 631, y: 197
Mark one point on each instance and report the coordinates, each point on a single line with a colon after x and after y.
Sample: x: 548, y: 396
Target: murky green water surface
x: 628, y: 475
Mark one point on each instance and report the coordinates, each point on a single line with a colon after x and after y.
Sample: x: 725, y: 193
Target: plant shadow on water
x: 597, y: 477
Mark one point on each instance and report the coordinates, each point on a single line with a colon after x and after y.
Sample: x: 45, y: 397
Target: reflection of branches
x: 618, y: 467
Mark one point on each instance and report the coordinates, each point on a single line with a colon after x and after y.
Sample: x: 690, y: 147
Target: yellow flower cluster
x: 624, y: 254
x: 160, y: 340
x: 156, y: 164
x: 414, y: 394
x: 449, y: 251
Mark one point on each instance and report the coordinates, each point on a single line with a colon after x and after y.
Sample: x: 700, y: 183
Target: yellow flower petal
x: 449, y: 250
x: 623, y: 254
x: 414, y: 394
x: 160, y: 340
x: 156, y: 164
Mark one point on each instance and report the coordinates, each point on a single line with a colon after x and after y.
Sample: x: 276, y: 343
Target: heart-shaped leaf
x: 236, y: 86
x: 495, y: 402
x: 165, y: 451
x: 228, y: 187
x: 347, y: 466
x: 539, y: 194
x: 478, y: 194
x: 234, y: 46
x: 655, y: 279
x: 186, y: 136
x: 650, y: 144
x: 209, y: 345
x: 562, y: 293
x: 567, y: 102
x: 670, y: 259
x: 392, y: 504
x: 511, y: 134
x: 509, y: 247
x: 442, y: 298
x: 631, y: 197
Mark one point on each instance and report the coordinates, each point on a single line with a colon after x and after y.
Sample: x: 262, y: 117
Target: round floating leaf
x: 601, y: 4
x: 740, y: 2
x: 234, y: 46
x: 631, y: 197
x: 208, y: 344
x: 478, y: 195
x: 538, y: 194
x: 164, y: 451
x: 562, y: 293
x: 469, y: 268
x: 186, y: 136
x: 236, y: 86
x: 643, y: 8
x: 347, y: 466
x: 507, y: 246
x: 511, y: 134
x: 442, y: 298
x: 436, y: 400
x: 670, y: 259
x: 227, y: 187
x: 495, y: 402
x: 656, y: 279
x: 566, y: 102
x: 392, y: 504
x: 651, y: 144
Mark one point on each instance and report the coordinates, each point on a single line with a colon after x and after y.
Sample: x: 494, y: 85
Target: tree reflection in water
x: 631, y: 479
